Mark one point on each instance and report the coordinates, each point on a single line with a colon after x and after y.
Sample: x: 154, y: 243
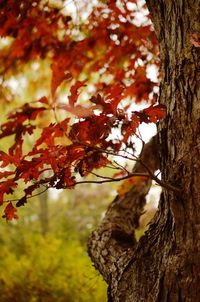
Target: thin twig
x: 108, y: 180
x: 101, y: 176
x: 122, y: 167
x: 160, y: 182
x: 28, y: 197
x: 133, y: 158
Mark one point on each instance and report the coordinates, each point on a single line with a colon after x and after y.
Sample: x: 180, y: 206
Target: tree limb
x: 112, y: 245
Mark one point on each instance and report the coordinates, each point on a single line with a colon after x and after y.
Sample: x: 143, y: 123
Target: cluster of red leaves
x: 34, y: 28
x: 112, y: 46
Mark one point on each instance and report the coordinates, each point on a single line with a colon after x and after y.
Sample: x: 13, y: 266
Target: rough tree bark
x: 165, y: 264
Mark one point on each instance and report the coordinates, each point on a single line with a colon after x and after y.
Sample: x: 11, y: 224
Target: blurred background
x: 43, y: 255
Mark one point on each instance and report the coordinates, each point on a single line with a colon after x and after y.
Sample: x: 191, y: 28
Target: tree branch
x: 141, y: 162
x: 112, y: 245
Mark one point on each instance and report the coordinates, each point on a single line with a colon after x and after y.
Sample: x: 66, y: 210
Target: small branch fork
x: 140, y: 160
x: 149, y: 174
x: 160, y: 182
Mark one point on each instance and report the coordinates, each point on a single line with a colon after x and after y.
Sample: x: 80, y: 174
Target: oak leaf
x: 10, y: 212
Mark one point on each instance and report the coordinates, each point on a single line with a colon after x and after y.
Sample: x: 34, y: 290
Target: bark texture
x: 165, y: 264
x: 112, y: 245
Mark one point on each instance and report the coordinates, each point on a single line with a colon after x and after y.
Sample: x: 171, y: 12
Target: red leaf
x: 10, y: 212
x: 5, y: 174
x: 44, y: 100
x: 7, y: 159
x: 129, y: 128
x: 6, y: 187
x: 156, y: 113
x: 93, y: 160
x: 30, y: 169
x: 98, y: 100
x: 74, y: 92
x: 51, y: 132
x: 59, y: 72
x: 26, y: 112
x: 92, y: 130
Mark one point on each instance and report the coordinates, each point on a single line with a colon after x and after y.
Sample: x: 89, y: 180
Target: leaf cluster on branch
x: 109, y: 62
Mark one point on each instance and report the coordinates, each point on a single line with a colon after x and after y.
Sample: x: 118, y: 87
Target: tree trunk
x: 165, y: 264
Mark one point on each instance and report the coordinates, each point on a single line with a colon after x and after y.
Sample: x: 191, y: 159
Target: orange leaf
x: 129, y: 183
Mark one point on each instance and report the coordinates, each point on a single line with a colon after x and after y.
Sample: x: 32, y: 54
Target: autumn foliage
x: 107, y: 58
